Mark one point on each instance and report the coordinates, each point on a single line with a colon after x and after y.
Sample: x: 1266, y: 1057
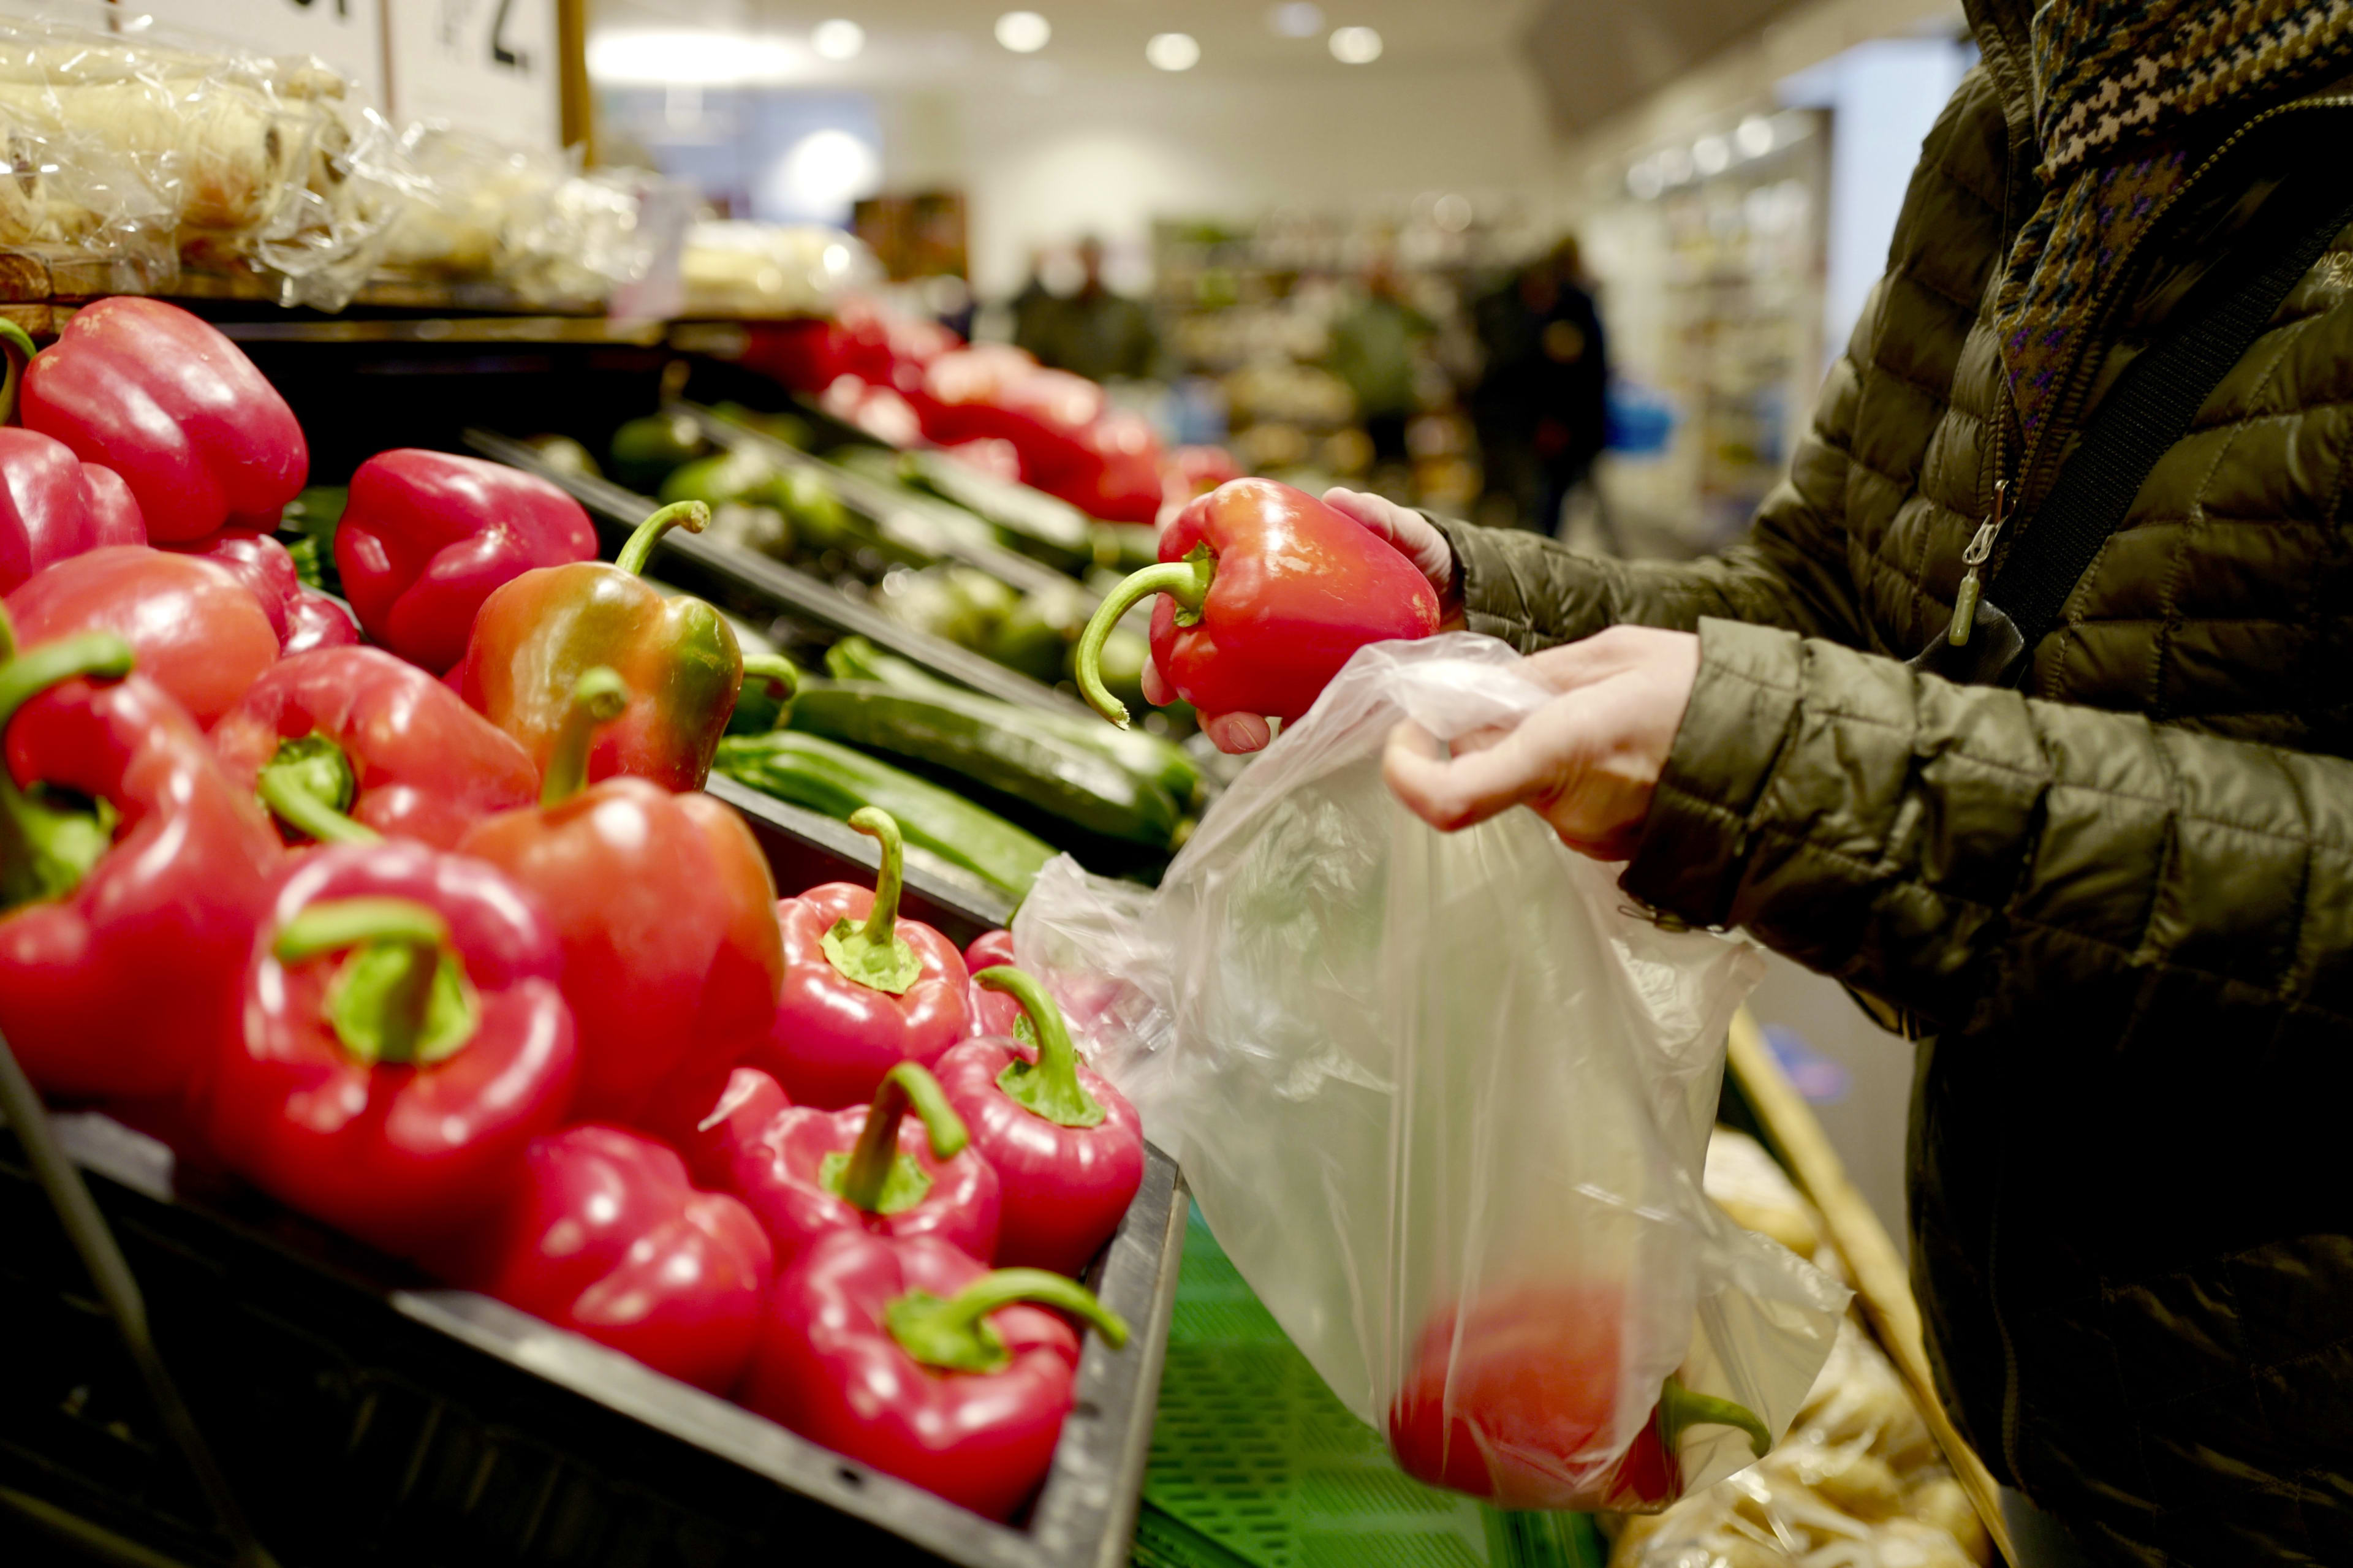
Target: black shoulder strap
x: 2149, y: 410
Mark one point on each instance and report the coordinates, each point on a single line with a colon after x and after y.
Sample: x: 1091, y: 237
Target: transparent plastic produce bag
x: 1444, y: 1099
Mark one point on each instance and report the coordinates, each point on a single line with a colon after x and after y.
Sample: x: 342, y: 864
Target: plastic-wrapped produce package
x: 1444, y: 1099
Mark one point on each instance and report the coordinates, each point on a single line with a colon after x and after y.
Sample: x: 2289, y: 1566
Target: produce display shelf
x: 740, y: 575
x: 364, y: 1416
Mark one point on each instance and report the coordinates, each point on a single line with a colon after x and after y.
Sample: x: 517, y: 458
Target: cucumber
x: 994, y: 745
x: 812, y: 771
x: 1152, y: 758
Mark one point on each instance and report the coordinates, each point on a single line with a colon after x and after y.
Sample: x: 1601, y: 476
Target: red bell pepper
x: 863, y: 990
x: 1518, y: 1403
x: 1268, y: 592
x: 1118, y: 477
x: 913, y: 1358
x: 1067, y: 1146
x: 356, y: 731
x: 314, y: 621
x: 196, y: 631
x: 808, y: 1174
x: 124, y: 926
x: 427, y: 536
x: 54, y: 505
x: 258, y: 560
x: 535, y: 636
x: 667, y: 914
x: 994, y: 1012
x: 175, y: 409
x: 403, y: 1041
x: 607, y: 1236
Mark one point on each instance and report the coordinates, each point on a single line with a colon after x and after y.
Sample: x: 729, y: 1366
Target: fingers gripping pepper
x: 1067, y: 1147
x: 1266, y: 593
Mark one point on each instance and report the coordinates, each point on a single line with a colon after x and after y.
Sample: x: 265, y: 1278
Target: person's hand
x: 1413, y: 537
x: 1587, y: 761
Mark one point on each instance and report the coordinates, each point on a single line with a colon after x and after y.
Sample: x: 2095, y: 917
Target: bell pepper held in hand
x: 808, y: 1174
x: 913, y: 1358
x: 606, y: 1236
x: 427, y: 536
x: 53, y: 505
x: 667, y: 914
x: 1516, y: 1402
x: 196, y: 629
x: 1067, y: 1147
x: 167, y: 401
x: 150, y: 890
x: 403, y: 1041
x: 864, y: 990
x: 359, y: 732
x: 1267, y: 592
x: 535, y: 636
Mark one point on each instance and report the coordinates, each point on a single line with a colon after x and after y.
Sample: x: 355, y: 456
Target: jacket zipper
x: 2008, y: 491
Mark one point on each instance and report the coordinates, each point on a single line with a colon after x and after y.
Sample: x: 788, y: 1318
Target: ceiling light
x: 1674, y: 165
x: 1643, y: 180
x: 1710, y: 155
x: 1173, y: 51
x: 1754, y: 136
x: 1298, y: 19
x: 1023, y: 32
x: 828, y: 169
x: 839, y: 39
x: 1355, y: 46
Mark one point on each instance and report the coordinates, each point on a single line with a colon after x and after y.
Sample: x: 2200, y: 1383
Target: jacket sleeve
x: 1964, y: 851
x: 1792, y: 571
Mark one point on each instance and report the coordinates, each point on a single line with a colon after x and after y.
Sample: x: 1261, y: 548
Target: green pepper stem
x: 597, y: 697
x: 308, y: 785
x: 881, y: 926
x: 776, y: 670
x: 46, y: 851
x: 906, y: 1087
x: 17, y: 344
x: 26, y: 675
x: 1187, y: 582
x: 1051, y: 1089
x: 954, y: 1335
x: 401, y: 999
x: 689, y: 515
x: 1680, y: 1407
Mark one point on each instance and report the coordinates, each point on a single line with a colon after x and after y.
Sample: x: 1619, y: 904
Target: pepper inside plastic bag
x: 1444, y: 1099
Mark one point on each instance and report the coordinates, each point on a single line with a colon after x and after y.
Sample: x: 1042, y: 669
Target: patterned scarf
x: 2122, y: 90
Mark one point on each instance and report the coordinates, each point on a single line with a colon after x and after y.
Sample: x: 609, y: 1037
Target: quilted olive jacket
x: 2120, y: 901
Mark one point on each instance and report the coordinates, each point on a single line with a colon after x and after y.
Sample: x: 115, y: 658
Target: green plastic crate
x: 1255, y: 1465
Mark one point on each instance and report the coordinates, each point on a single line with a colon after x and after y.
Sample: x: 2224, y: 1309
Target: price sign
x: 346, y: 34
x: 489, y: 65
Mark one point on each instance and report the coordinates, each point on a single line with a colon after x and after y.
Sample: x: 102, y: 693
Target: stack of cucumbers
x: 850, y: 740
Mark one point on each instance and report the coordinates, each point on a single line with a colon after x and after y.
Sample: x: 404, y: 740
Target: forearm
x: 1956, y: 849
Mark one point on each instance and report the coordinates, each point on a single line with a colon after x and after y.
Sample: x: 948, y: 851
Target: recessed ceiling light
x: 1710, y: 155
x: 1023, y: 32
x: 1355, y: 46
x: 1754, y: 136
x: 1296, y: 19
x: 839, y: 39
x: 1173, y: 51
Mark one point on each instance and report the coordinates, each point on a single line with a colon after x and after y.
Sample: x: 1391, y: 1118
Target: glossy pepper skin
x: 427, y: 536
x: 402, y: 1040
x: 666, y: 911
x: 1067, y: 1147
x: 98, y: 921
x: 863, y: 989
x: 605, y: 1235
x: 534, y: 637
x: 808, y: 1174
x: 197, y: 630
x: 994, y: 1012
x: 313, y: 620
x: 258, y: 560
x: 1517, y: 1401
x: 1266, y: 592
x: 417, y: 762
x: 912, y: 1357
x: 53, y: 505
x: 175, y: 409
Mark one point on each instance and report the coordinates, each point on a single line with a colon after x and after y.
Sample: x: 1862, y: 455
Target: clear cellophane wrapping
x: 1856, y: 1483
x: 148, y: 153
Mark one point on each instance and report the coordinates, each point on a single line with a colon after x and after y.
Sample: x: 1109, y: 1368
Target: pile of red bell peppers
x: 433, y: 936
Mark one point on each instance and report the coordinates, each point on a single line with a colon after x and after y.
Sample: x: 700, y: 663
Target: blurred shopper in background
x: 1373, y: 345
x: 1089, y: 330
x: 2101, y: 870
x: 1540, y: 407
